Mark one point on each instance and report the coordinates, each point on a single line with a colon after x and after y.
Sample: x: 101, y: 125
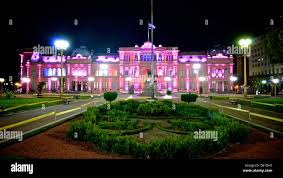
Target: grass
x: 270, y: 100
x: 6, y: 103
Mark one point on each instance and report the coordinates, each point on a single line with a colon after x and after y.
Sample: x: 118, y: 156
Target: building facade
x: 259, y: 63
x: 129, y: 68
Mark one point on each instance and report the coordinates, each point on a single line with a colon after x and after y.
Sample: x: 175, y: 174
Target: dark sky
x: 115, y: 23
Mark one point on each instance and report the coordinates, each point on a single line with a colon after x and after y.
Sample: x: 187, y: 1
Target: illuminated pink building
x: 84, y: 72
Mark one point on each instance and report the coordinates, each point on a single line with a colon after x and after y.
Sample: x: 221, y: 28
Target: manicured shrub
x: 117, y: 115
x: 80, y: 127
x: 184, y: 109
x: 126, y: 105
x: 153, y: 109
x: 90, y: 114
x: 189, y: 126
x: 131, y: 124
x: 168, y: 92
x: 191, y: 97
x: 110, y: 96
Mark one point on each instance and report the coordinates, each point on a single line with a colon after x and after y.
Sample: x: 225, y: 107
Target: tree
x: 40, y: 87
x: 110, y: 96
x: 273, y: 43
x: 191, y: 97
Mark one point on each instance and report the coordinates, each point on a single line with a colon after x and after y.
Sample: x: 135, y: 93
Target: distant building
x: 259, y: 63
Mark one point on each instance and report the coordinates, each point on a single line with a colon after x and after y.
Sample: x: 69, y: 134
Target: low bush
x: 136, y: 131
x: 153, y: 109
x: 189, y: 126
x: 80, y: 127
x: 184, y: 109
x: 191, y: 97
x: 90, y: 114
x: 126, y: 105
x: 131, y: 124
x: 117, y: 115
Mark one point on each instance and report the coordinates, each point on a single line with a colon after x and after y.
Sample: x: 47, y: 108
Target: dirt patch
x: 259, y: 146
x: 54, y: 144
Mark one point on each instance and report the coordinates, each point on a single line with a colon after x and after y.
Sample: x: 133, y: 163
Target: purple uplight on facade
x: 35, y: 57
x: 53, y: 59
x: 193, y: 58
x: 107, y: 59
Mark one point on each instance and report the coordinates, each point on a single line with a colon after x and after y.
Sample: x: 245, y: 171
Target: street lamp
x: 275, y: 81
x: 90, y: 79
x: 244, y: 43
x: 61, y: 45
x: 2, y: 81
x: 233, y: 79
x: 263, y: 82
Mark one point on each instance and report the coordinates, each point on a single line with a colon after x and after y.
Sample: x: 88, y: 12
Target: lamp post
x: 264, y: 82
x: 244, y: 43
x: 61, y: 45
x: 275, y: 82
x: 1, y: 82
x: 90, y: 79
x: 233, y: 79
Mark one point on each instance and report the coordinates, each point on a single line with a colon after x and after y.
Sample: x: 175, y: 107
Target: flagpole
x: 147, y: 32
x: 152, y: 55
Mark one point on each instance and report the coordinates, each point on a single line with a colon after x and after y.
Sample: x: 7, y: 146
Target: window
x: 126, y: 72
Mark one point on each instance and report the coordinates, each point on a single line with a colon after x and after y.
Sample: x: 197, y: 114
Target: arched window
x: 58, y: 72
x: 54, y: 72
x: 49, y: 72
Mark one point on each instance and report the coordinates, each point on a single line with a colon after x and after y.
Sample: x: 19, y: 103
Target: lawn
x: 7, y: 103
x: 155, y: 130
x: 270, y: 100
x: 20, y: 104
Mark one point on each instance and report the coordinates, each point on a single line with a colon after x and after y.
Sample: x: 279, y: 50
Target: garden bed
x: 168, y: 129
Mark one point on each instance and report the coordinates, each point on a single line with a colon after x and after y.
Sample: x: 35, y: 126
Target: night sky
x: 115, y: 23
